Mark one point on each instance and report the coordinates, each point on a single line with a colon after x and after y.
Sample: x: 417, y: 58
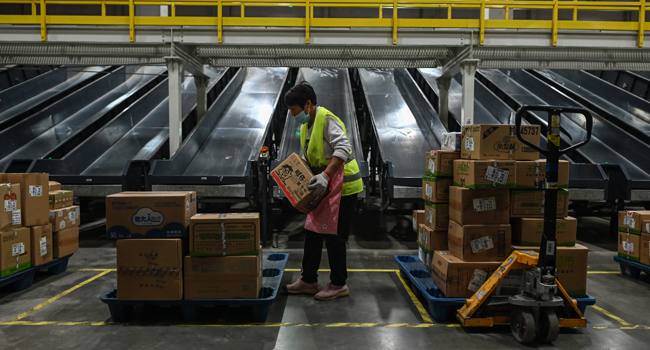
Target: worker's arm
x: 335, y: 136
x: 335, y: 164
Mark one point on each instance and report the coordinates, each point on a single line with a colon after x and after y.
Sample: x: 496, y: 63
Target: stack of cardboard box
x: 634, y: 236
x: 168, y: 252
x: 433, y: 221
x: 64, y: 220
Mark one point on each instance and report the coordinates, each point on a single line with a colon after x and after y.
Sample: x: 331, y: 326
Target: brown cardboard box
x: 529, y: 203
x: 429, y: 241
x: 33, y: 196
x: 436, y: 216
x: 531, y: 174
x: 634, y: 221
x: 11, y: 216
x: 148, y: 214
x: 65, y: 218
x: 571, y: 264
x: 54, y: 186
x: 66, y: 242
x: 225, y: 277
x: 69, y: 196
x: 499, y: 141
x: 480, y: 242
x: 57, y: 199
x: 225, y: 234
x: 645, y: 248
x: 484, y: 174
x: 629, y: 246
x: 528, y: 231
x: 468, y: 207
x: 15, y: 251
x: 441, y: 163
x: 41, y: 243
x: 418, y: 219
x: 436, y: 189
x: 293, y: 176
x: 150, y: 269
x: 457, y: 278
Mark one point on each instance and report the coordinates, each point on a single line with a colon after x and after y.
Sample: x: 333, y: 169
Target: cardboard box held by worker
x: 293, y: 176
x: 528, y: 231
x: 499, y: 141
x: 480, y: 242
x: 41, y: 242
x: 225, y: 234
x: 634, y: 221
x: 11, y: 215
x: 457, y: 278
x: 33, y: 196
x: 15, y: 251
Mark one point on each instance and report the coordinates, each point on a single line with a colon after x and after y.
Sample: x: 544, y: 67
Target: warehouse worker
x: 328, y: 152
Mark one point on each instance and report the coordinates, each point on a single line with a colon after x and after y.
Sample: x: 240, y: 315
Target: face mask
x: 302, y: 118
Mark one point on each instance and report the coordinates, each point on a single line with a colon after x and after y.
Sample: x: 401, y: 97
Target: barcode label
x: 483, y: 204
x: 74, y: 215
x: 429, y: 217
x: 550, y: 248
x: 469, y: 143
x: 477, y: 280
x: 15, y: 217
x: 415, y: 223
x: 449, y: 141
x: 11, y: 205
x: 18, y: 249
x: 432, y: 165
x: 497, y: 175
x: 628, y: 246
x: 43, y: 242
x: 647, y: 227
x: 629, y: 221
x: 62, y: 224
x: 35, y: 191
x: 429, y: 191
x: 481, y: 244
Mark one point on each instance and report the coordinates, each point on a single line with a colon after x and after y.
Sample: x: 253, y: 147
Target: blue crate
x: 24, y: 279
x: 630, y: 268
x: 273, y: 270
x: 440, y: 307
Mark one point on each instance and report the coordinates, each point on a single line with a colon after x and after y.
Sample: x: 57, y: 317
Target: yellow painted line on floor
x: 604, y: 272
x: 98, y: 270
x: 418, y: 305
x: 349, y: 270
x: 45, y: 303
x: 611, y: 315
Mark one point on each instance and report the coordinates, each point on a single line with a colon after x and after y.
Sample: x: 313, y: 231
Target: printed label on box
x: 550, y: 248
x: 15, y: 217
x: 449, y: 141
x: 628, y: 246
x: 647, y: 227
x: 469, y: 143
x: 11, y: 205
x: 429, y: 217
x: 497, y: 175
x: 74, y: 215
x: 629, y: 221
x: 481, y: 244
x: 415, y: 223
x: 43, y: 242
x: 429, y: 190
x: 432, y: 165
x: 18, y: 249
x: 477, y: 280
x: 35, y: 191
x: 483, y: 204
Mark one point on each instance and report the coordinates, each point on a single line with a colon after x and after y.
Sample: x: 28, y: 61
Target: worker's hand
x: 319, y: 183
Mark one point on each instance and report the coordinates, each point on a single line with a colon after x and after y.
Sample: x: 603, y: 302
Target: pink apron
x: 325, y: 218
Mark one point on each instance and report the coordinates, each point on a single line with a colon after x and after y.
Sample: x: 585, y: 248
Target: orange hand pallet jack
x: 542, y: 305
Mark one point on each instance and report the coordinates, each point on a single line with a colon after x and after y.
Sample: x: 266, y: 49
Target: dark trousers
x: 336, y: 245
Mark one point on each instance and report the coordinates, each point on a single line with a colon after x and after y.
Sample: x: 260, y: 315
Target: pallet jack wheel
x: 522, y: 325
x: 550, y: 326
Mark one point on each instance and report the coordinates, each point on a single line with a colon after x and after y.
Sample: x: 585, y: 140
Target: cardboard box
x: 54, y: 186
x: 293, y: 176
x: 531, y: 174
x: 11, y: 216
x: 225, y: 234
x: 529, y: 231
x: 431, y: 241
x: 66, y: 242
x: 65, y: 218
x: 15, y: 251
x: 436, y: 216
x: 225, y: 277
x: 634, y: 221
x: 480, y: 242
x: 148, y: 214
x: 468, y: 207
x: 451, y: 141
x: 150, y: 269
x: 645, y: 248
x: 436, y: 189
x: 484, y: 174
x: 571, y: 265
x: 499, y: 141
x: 33, y: 196
x: 41, y: 243
x: 529, y: 203
x: 418, y: 219
x: 457, y: 278
x: 629, y: 246
x: 57, y: 199
x: 441, y: 163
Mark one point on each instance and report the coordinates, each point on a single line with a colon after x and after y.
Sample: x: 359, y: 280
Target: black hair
x: 299, y: 95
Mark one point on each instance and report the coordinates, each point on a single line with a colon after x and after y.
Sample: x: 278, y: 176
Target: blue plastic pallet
x: 630, y: 268
x: 273, y: 269
x: 440, y: 307
x: 24, y: 279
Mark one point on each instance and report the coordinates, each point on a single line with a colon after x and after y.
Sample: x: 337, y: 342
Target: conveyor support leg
x: 201, y: 83
x: 468, y: 70
x: 444, y: 83
x: 175, y: 73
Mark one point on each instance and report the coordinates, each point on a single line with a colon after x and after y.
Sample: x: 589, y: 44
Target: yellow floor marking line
x: 98, y: 270
x: 45, y: 303
x: 418, y: 305
x: 611, y: 315
x: 349, y: 270
x: 604, y: 272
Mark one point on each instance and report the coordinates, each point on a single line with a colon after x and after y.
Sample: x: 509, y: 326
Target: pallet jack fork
x: 542, y: 306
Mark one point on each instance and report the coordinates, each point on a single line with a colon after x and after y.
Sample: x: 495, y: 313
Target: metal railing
x: 40, y: 17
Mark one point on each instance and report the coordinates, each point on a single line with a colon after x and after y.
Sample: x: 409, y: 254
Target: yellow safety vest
x: 352, y: 182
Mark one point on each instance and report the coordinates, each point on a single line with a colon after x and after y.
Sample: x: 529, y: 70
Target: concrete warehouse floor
x: 63, y: 312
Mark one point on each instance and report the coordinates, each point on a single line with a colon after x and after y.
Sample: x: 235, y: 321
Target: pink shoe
x: 300, y: 287
x: 332, y: 292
